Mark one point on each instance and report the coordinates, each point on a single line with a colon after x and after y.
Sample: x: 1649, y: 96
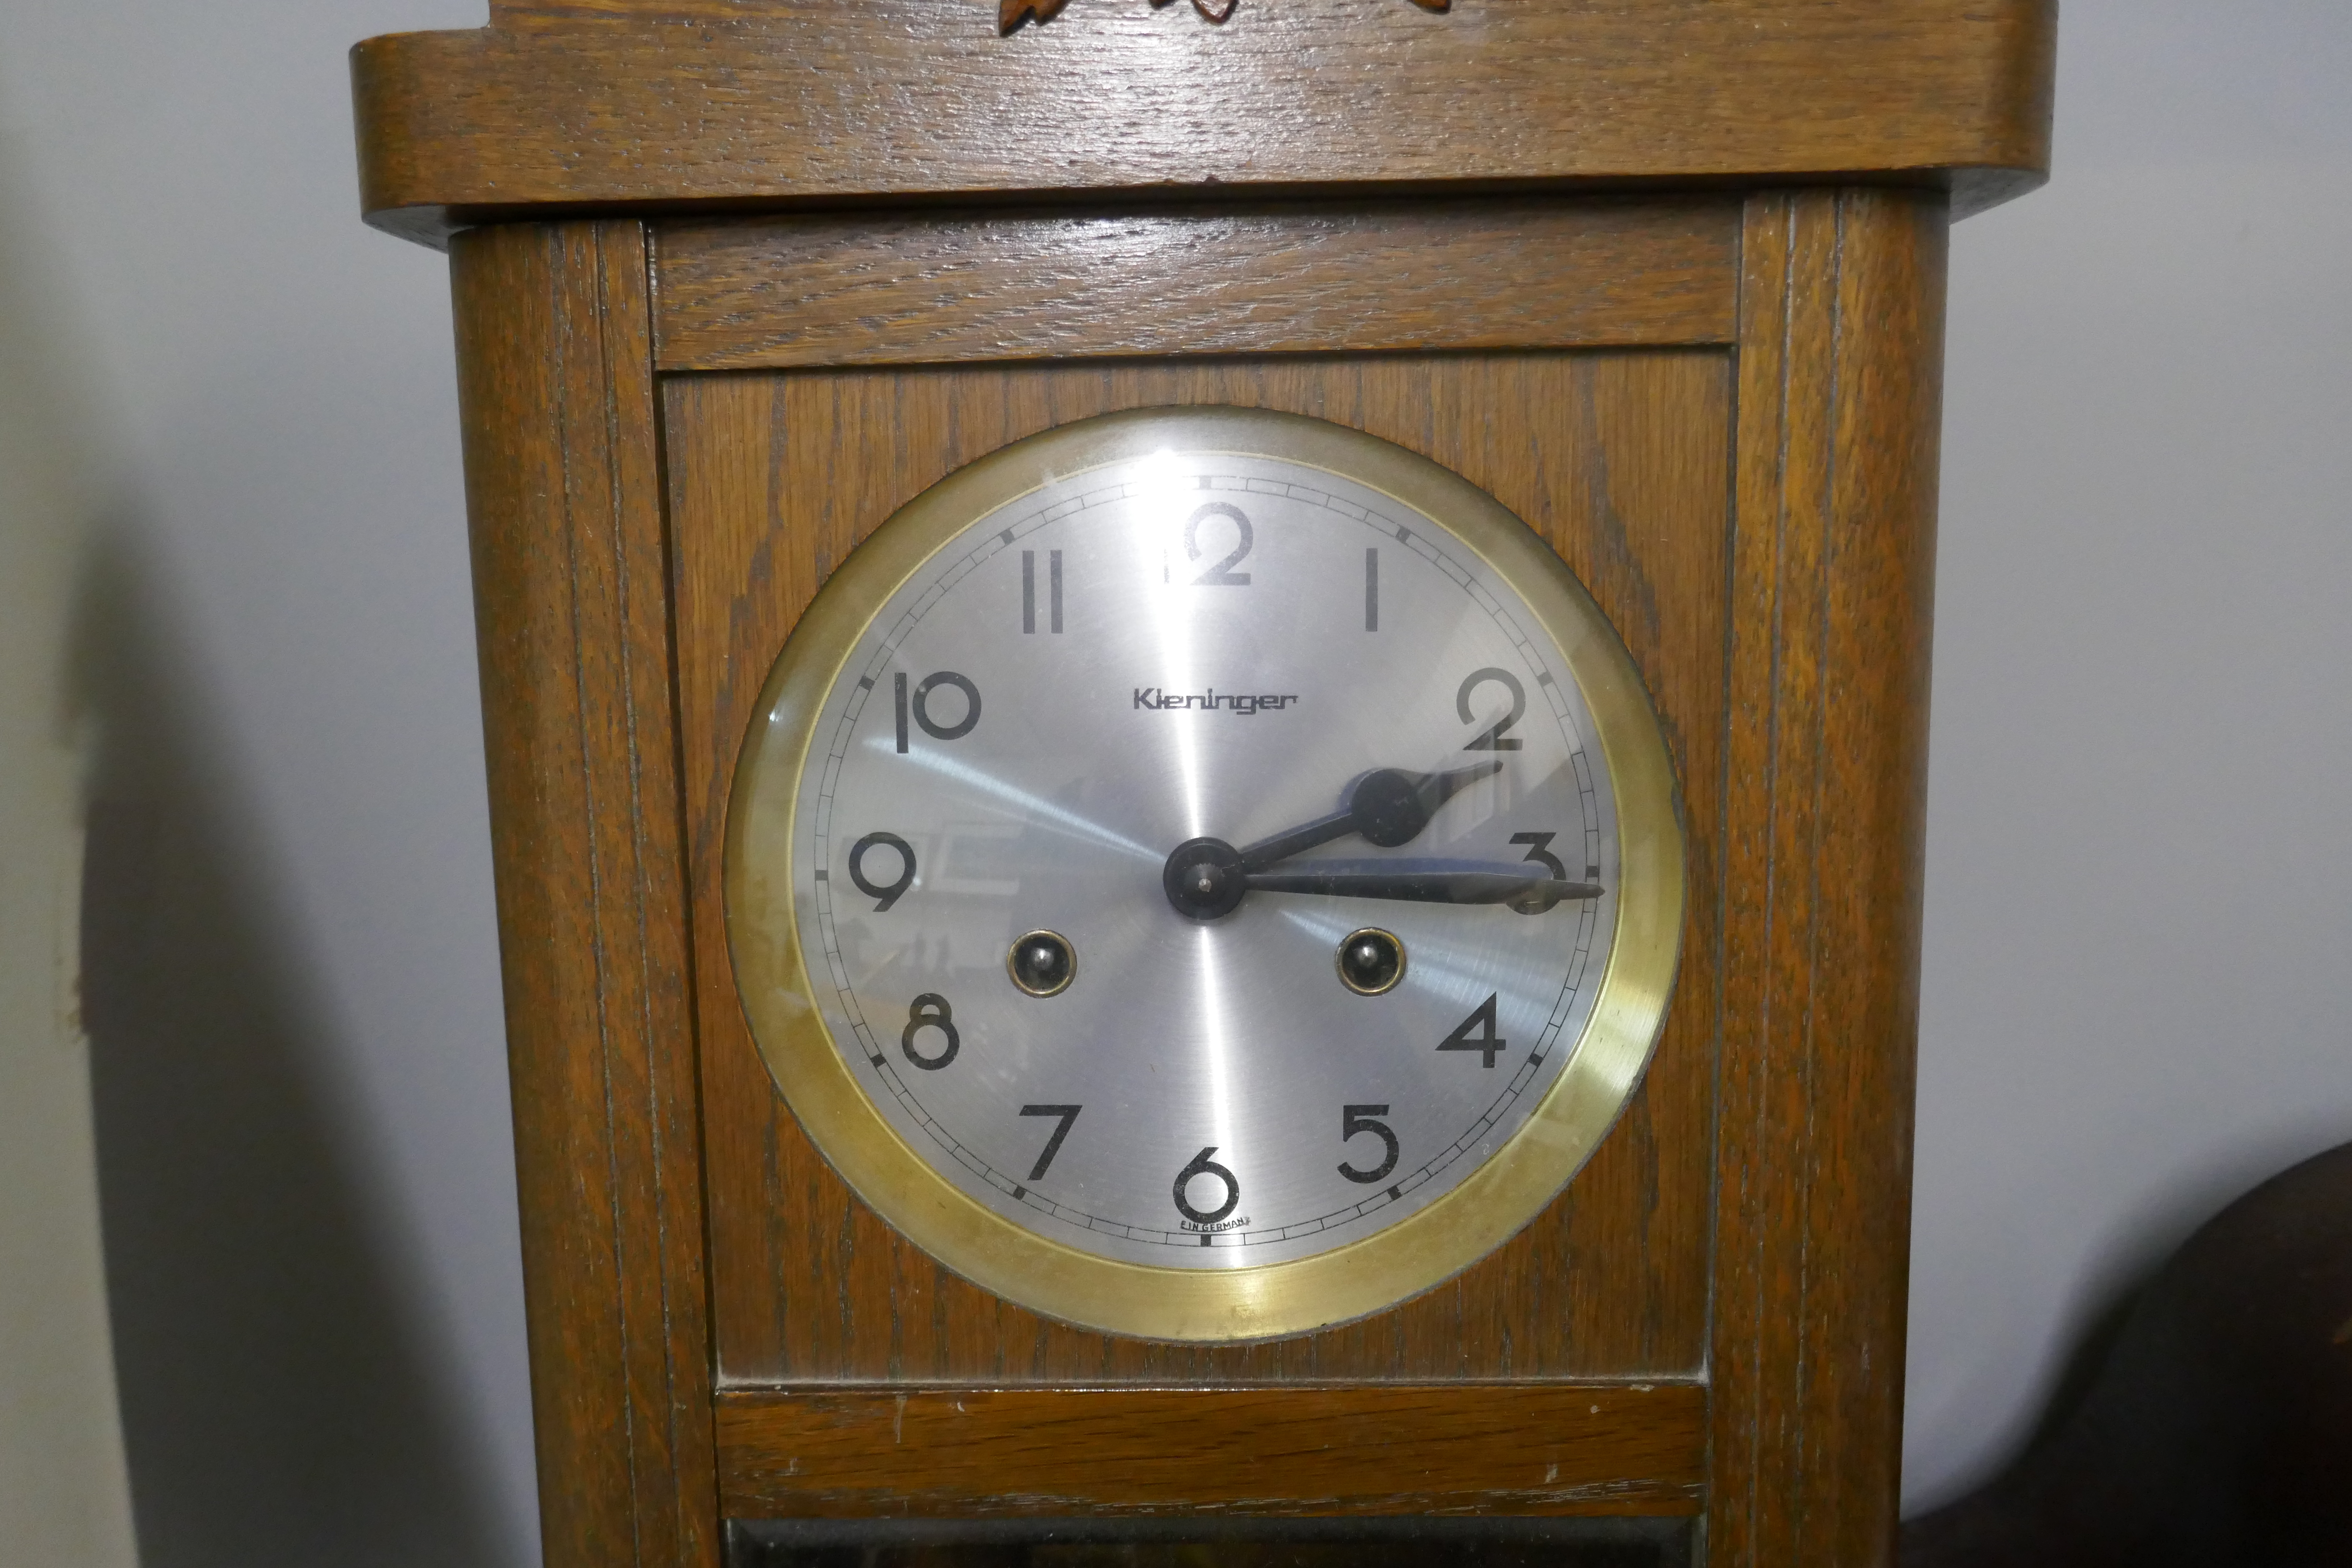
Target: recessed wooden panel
x: 1621, y: 460
x: 1605, y: 1448
x: 867, y: 289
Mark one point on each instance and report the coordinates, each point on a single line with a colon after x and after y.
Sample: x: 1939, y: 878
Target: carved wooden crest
x: 1011, y: 14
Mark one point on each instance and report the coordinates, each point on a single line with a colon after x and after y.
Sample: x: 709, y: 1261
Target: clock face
x: 1203, y: 858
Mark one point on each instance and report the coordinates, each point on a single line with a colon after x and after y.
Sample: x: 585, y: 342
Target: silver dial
x: 1370, y: 732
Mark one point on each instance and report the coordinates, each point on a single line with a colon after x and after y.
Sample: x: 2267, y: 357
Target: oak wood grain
x: 1598, y: 1448
x: 1840, y: 343
x: 869, y: 290
x: 715, y: 103
x: 1621, y: 460
x: 570, y: 569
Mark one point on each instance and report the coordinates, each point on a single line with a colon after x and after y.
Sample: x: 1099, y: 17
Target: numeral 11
x: 1029, y: 590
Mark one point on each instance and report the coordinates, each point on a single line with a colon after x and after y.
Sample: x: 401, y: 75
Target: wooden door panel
x: 1585, y: 1449
x: 1620, y: 459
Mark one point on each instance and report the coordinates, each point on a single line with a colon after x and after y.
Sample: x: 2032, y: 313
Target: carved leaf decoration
x: 1011, y: 14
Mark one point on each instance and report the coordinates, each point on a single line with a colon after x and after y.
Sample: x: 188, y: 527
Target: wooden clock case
x: 736, y: 279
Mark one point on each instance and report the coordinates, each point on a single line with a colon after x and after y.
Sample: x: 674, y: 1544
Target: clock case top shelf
x: 1682, y: 317
x: 670, y: 105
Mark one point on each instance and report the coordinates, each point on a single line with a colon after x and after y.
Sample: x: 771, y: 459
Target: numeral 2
x: 1493, y: 740
x: 1220, y: 575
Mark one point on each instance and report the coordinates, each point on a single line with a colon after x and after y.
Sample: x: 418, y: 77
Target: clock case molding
x: 735, y: 281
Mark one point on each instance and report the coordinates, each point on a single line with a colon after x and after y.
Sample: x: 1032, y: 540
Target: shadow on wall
x: 275, y: 1407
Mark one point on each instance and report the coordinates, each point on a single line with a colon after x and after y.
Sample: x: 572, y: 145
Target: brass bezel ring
x: 1263, y: 1301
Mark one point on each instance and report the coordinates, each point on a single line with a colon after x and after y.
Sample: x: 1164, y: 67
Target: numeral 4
x: 1487, y: 1042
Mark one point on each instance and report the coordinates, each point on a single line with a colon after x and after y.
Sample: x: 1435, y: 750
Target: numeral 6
x: 1203, y: 1165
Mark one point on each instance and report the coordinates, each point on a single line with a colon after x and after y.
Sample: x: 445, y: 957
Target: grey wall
x: 2140, y: 856
x: 2138, y: 859
x: 290, y: 972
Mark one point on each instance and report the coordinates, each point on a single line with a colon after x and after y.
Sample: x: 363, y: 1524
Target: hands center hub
x: 1203, y: 879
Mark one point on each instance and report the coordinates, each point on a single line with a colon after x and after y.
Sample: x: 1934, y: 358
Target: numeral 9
x: 886, y: 893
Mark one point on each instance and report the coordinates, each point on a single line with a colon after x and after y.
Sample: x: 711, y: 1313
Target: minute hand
x: 1499, y: 886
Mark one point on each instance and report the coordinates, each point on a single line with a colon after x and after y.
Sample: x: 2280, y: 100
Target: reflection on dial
x: 1036, y: 732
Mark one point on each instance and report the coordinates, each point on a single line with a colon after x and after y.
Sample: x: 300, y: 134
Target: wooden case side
x: 570, y: 581
x: 1833, y: 562
x: 810, y: 101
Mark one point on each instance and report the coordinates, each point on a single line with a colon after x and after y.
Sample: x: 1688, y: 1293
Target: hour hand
x: 1388, y: 807
x: 1431, y: 885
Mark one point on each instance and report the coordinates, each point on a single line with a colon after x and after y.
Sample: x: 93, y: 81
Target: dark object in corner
x: 2218, y: 1431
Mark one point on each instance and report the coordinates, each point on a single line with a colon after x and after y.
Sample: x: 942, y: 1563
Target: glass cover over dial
x: 1204, y: 857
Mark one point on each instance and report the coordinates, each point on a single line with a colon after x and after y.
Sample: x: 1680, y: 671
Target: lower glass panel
x: 1214, y: 1543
